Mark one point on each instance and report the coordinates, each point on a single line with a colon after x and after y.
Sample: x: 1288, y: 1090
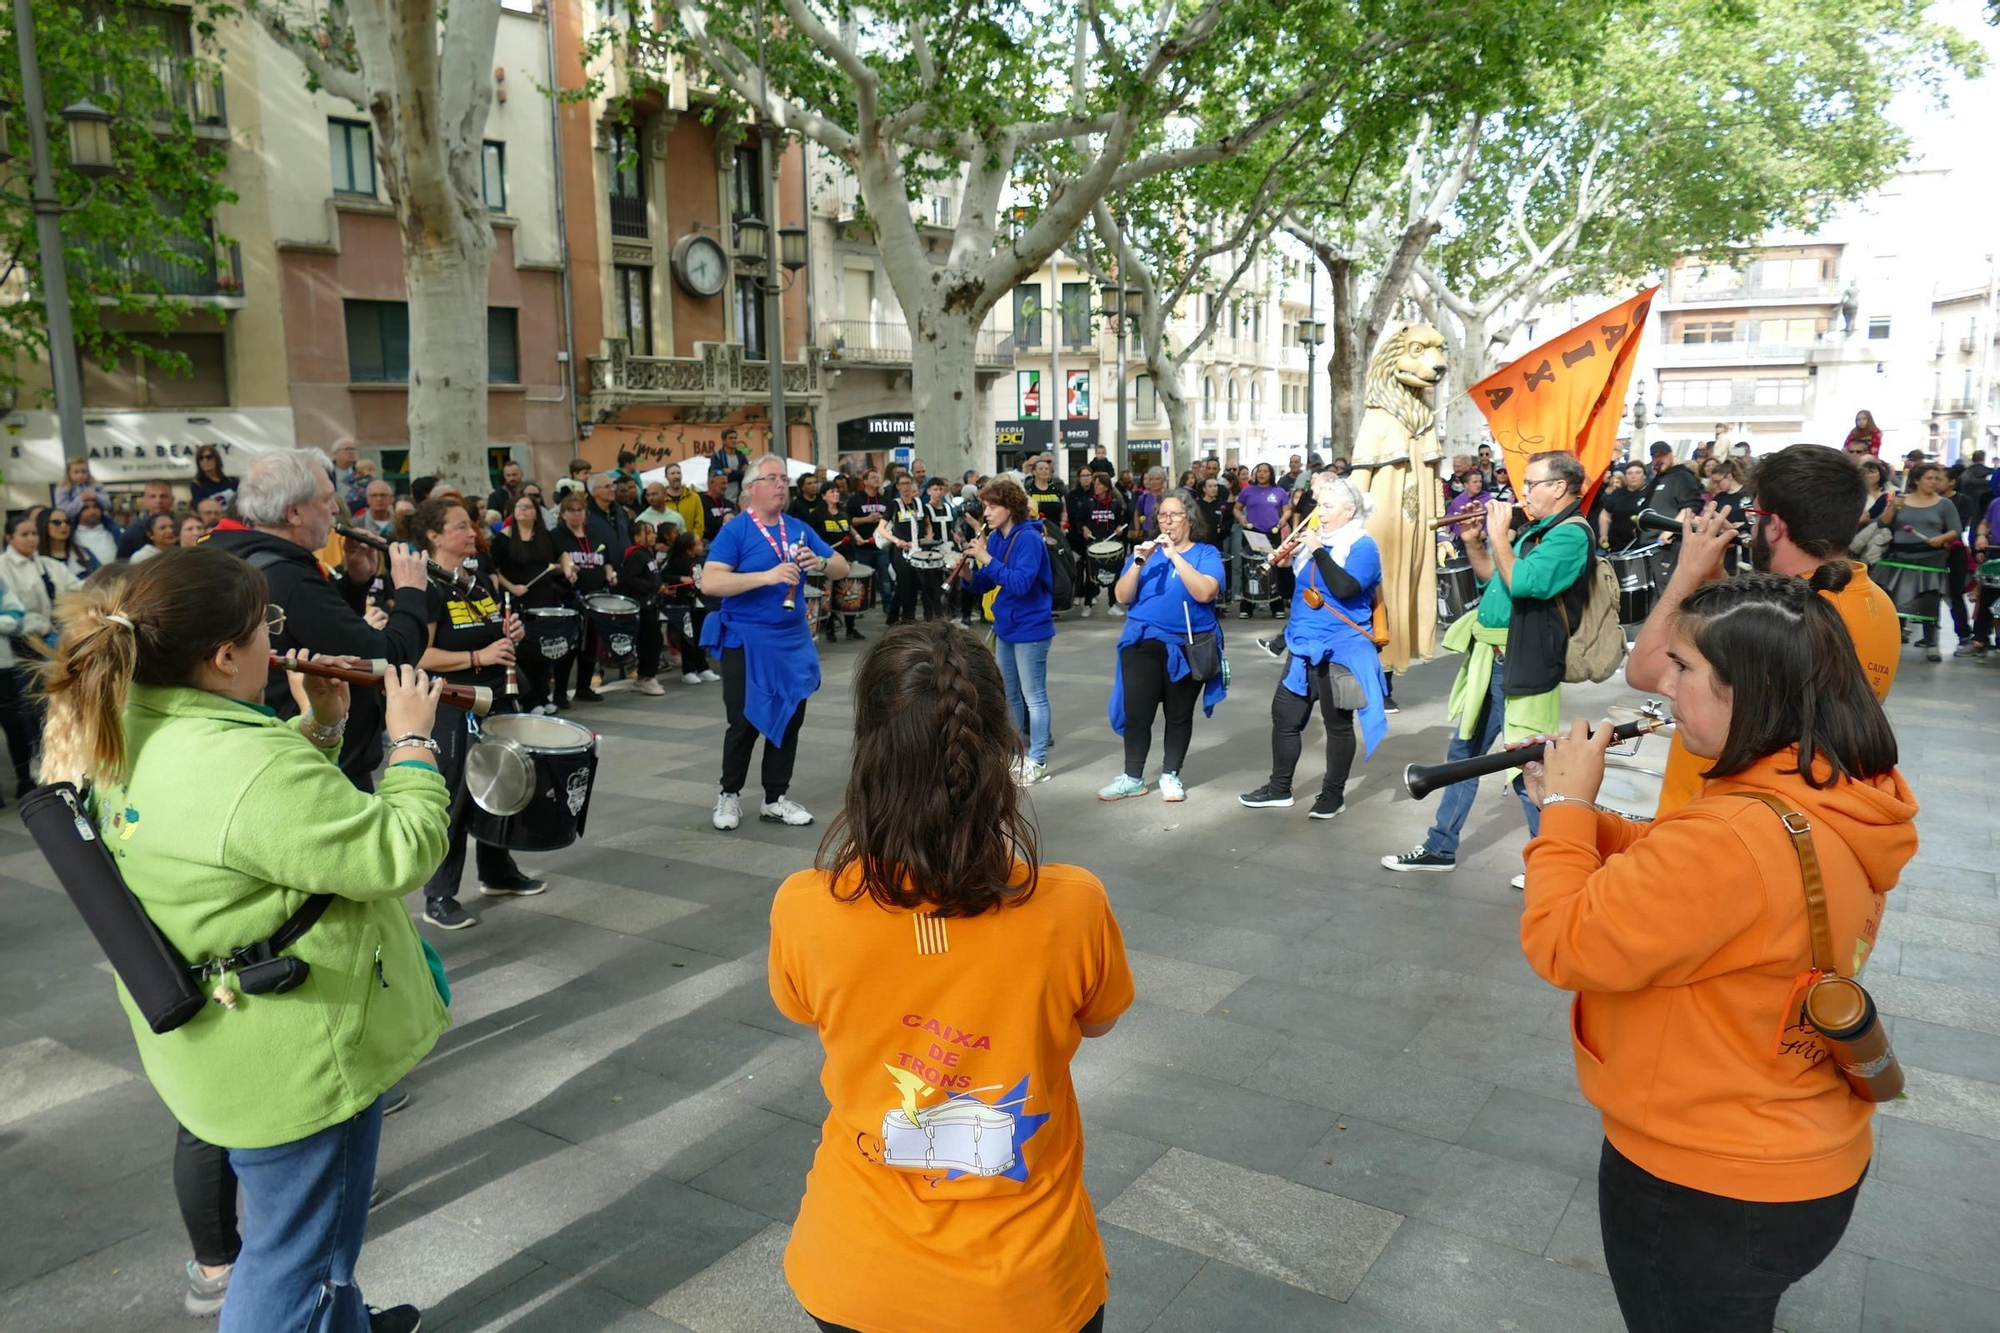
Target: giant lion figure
x: 1396, y: 460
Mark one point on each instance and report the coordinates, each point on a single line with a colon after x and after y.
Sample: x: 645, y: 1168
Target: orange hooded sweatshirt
x: 1686, y: 942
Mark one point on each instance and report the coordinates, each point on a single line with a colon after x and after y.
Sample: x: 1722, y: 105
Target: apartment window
x: 493, y: 175
x: 746, y: 186
x: 1695, y: 393
x: 1257, y: 325
x: 1028, y: 315
x: 378, y: 343
x: 627, y: 175
x: 135, y: 383
x: 632, y: 307
x: 351, y: 145
x: 1787, y: 392
x: 1208, y: 399
x: 1965, y: 389
x: 1147, y: 397
x: 1709, y: 331
x: 1230, y: 393
x: 942, y: 210
x: 1235, y: 319
x: 1076, y: 314
x: 1256, y: 401
x: 503, y: 345
x: 750, y: 317
x: 1878, y: 328
x: 1787, y: 330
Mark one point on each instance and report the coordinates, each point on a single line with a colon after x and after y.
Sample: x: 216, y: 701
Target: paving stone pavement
x: 1341, y: 1101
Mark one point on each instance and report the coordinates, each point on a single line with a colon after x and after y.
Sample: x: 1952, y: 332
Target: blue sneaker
x: 1122, y: 786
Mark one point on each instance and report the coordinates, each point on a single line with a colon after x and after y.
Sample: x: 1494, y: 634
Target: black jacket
x: 1673, y: 490
x: 1538, y: 629
x: 611, y: 530
x: 318, y: 619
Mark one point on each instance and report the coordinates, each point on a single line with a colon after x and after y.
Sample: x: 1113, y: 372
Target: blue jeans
x: 1458, y: 797
x: 305, y: 1212
x: 1025, y: 668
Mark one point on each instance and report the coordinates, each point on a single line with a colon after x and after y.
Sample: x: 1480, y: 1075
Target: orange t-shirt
x: 948, y: 1185
x: 1870, y: 617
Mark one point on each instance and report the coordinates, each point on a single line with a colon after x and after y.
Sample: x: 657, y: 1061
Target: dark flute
x: 474, y: 699
x: 455, y: 577
x: 1652, y: 520
x: 1478, y: 512
x: 965, y: 559
x: 1423, y: 779
x: 507, y: 609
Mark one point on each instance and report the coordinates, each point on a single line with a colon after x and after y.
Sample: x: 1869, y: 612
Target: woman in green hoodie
x: 224, y: 822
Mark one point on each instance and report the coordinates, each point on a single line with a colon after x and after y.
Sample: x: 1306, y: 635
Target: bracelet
x: 1557, y: 798
x: 322, y: 736
x: 415, y: 741
x: 473, y: 653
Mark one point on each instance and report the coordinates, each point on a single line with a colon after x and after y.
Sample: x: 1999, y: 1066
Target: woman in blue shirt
x: 1011, y: 556
x: 1171, y: 587
x: 1332, y: 659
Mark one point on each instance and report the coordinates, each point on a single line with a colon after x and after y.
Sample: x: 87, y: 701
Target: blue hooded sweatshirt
x: 1024, y: 612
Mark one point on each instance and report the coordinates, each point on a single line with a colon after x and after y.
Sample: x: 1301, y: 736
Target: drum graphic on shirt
x: 961, y: 1136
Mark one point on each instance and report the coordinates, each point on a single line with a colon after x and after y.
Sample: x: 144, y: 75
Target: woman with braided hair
x: 950, y: 976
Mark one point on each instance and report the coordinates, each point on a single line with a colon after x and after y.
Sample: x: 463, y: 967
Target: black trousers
x: 205, y: 1189
x: 1955, y: 579
x: 684, y: 623
x: 1289, y: 715
x: 741, y: 737
x: 1147, y: 690
x: 544, y: 682
x: 650, y: 639
x: 21, y: 721
x: 1982, y: 616
x: 1096, y: 1324
x: 494, y: 865
x: 912, y: 585
x: 1682, y: 1261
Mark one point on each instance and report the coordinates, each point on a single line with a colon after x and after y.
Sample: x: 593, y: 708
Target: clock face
x: 701, y: 266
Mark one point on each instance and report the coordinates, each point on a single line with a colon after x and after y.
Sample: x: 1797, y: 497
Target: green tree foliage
x: 140, y: 247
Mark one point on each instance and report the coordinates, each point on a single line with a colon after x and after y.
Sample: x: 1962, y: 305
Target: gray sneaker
x: 205, y: 1294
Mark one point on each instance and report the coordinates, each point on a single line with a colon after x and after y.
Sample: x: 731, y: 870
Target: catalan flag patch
x: 930, y: 933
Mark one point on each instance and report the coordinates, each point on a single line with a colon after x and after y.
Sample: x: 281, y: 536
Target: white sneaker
x: 784, y: 810
x: 728, y: 810
x: 648, y: 685
x: 1030, y: 773
x: 710, y: 677
x: 1086, y: 610
x: 693, y: 678
x: 1117, y: 610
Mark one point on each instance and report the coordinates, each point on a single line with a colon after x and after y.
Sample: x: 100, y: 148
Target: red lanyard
x: 784, y: 541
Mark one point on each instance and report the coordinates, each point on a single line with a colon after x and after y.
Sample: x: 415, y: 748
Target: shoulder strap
x: 1801, y: 831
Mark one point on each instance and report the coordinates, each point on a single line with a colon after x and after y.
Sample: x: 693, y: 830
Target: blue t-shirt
x: 743, y: 547
x: 1162, y: 595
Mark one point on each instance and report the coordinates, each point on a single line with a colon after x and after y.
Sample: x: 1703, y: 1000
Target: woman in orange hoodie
x: 1734, y: 1149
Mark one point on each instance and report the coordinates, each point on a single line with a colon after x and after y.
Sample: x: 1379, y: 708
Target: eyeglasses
x: 58, y: 522
x: 1530, y: 483
x: 274, y: 620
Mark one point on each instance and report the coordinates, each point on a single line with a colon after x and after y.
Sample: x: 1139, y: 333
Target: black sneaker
x: 524, y: 887
x: 378, y: 1196
x: 395, y: 1099
x: 1422, y: 858
x: 561, y: 705
x: 398, y: 1319
x: 854, y: 635
x: 1266, y: 797
x: 446, y: 914
x: 1326, y: 807
x: 1280, y: 612
x: 1390, y: 706
x: 1244, y: 614
x: 583, y: 696
x: 1274, y: 645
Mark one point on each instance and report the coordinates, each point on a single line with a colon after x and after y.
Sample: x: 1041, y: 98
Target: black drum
x: 1107, y: 561
x: 553, y: 632
x: 1256, y: 578
x: 1458, y: 590
x: 1661, y: 557
x: 616, y: 620
x: 1634, y: 570
x: 529, y: 778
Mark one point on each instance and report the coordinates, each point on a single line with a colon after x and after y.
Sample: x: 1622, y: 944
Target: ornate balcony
x: 711, y: 385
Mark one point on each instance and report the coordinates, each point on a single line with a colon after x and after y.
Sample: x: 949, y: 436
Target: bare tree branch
x: 341, y: 82
x: 732, y: 66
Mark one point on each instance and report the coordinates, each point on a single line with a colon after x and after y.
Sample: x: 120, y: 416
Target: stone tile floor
x: 1341, y: 1101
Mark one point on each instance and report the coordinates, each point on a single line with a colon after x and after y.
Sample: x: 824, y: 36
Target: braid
x: 958, y: 712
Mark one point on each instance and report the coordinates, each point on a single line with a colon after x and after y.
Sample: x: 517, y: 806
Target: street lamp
x: 1312, y: 336
x: 90, y: 154
x: 792, y: 248
x: 1120, y: 303
x: 753, y: 240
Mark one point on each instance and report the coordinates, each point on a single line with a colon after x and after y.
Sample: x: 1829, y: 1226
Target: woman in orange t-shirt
x: 1734, y: 1148
x: 951, y: 978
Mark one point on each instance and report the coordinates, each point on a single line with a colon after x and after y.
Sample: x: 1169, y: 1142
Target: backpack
x: 1597, y: 640
x: 1062, y: 590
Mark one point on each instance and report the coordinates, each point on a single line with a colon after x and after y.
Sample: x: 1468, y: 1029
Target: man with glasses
x: 1516, y: 643
x: 769, y: 665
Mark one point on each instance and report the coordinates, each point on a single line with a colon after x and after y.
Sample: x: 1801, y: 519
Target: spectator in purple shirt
x: 1985, y: 546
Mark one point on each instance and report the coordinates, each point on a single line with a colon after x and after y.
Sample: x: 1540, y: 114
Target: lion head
x: 1410, y: 360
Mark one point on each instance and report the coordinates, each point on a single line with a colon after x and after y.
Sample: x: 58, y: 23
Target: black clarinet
x: 1423, y: 779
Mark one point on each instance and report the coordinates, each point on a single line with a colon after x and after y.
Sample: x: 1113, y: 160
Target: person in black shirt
x: 501, y: 502
x: 685, y: 609
x: 588, y: 568
x: 1044, y: 499
x: 1616, y: 531
x: 908, y: 526
x: 1724, y: 479
x: 1103, y: 520
x: 866, y: 509
x: 1674, y: 488
x: 471, y: 643
x: 528, y: 567
x: 608, y: 522
x: 1076, y: 513
x: 361, y: 585
x: 802, y: 503
x: 1219, y: 511
x: 829, y: 519
x: 639, y: 579
x: 716, y: 509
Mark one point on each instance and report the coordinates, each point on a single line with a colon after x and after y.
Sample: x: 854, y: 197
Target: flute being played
x: 1469, y: 514
x: 958, y: 571
x: 1423, y: 779
x: 474, y: 699
x: 458, y: 579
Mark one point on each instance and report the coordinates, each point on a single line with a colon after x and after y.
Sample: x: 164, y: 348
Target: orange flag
x: 1568, y: 393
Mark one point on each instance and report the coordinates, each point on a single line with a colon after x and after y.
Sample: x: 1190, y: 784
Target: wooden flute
x: 474, y: 699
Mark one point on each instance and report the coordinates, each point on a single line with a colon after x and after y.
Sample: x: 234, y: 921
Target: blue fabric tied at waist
x: 780, y: 669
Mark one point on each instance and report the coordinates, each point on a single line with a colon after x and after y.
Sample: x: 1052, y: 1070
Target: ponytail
x: 152, y: 623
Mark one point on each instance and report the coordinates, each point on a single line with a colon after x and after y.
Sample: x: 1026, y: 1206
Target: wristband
x: 1557, y: 798
x: 322, y: 736
x: 473, y: 653
x: 414, y: 741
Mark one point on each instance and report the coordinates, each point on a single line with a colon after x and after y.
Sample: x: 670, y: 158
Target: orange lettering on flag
x: 1568, y: 393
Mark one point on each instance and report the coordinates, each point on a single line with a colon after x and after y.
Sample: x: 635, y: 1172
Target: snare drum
x: 816, y: 609
x: 1458, y: 590
x: 1107, y: 560
x: 926, y: 559
x: 553, y: 632
x: 529, y: 778
x: 616, y: 620
x: 856, y: 592
x: 1634, y: 570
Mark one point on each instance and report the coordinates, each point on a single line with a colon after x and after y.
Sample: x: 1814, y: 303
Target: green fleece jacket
x: 229, y: 821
